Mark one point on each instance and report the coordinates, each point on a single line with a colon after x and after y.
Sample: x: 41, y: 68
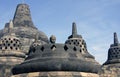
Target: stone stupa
x: 70, y: 59
x: 10, y: 52
x: 24, y: 27
x: 111, y: 68
x: 16, y: 38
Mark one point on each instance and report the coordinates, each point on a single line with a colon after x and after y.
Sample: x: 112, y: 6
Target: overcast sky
x: 96, y: 20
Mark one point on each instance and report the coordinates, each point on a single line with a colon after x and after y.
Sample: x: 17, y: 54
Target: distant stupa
x: 114, y: 52
x: 22, y: 16
x: 24, y: 28
x: 111, y: 68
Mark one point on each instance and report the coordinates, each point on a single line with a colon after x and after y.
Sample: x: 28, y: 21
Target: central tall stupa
x: 24, y: 28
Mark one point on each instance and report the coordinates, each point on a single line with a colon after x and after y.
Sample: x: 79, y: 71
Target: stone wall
x: 111, y: 70
x: 7, y: 63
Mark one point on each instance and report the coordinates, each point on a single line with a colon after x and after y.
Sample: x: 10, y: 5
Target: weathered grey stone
x: 16, y: 38
x: 22, y: 16
x: 5, y: 70
x: 58, y: 57
x: 24, y: 27
x: 57, y: 74
x: 114, y: 52
x: 52, y: 39
x: 111, y: 68
x: 10, y: 52
x: 78, y: 41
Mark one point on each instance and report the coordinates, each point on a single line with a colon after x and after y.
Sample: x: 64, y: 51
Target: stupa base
x: 57, y: 74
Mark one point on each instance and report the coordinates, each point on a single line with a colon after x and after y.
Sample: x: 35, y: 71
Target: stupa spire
x: 10, y: 26
x: 74, y: 29
x: 22, y: 16
x: 74, y: 32
x: 116, y: 42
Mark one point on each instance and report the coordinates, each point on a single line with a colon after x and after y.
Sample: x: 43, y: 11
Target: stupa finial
x: 116, y: 42
x: 10, y: 26
x: 74, y: 29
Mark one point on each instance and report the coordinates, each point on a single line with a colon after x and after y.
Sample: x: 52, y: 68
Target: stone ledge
x: 57, y: 74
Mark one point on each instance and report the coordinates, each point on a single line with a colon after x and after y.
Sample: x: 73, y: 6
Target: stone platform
x: 57, y: 74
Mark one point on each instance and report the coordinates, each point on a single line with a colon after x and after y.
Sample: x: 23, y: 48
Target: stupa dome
x: 114, y: 52
x: 10, y: 45
x: 56, y: 57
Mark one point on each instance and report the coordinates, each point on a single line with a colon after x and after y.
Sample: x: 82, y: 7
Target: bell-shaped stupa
x: 114, y: 52
x: 59, y: 57
x: 112, y: 66
x: 10, y: 52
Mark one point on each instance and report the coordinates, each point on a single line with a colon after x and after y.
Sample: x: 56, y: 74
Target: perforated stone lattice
x: 78, y: 42
x: 54, y: 47
x: 10, y: 44
x: 114, y: 53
